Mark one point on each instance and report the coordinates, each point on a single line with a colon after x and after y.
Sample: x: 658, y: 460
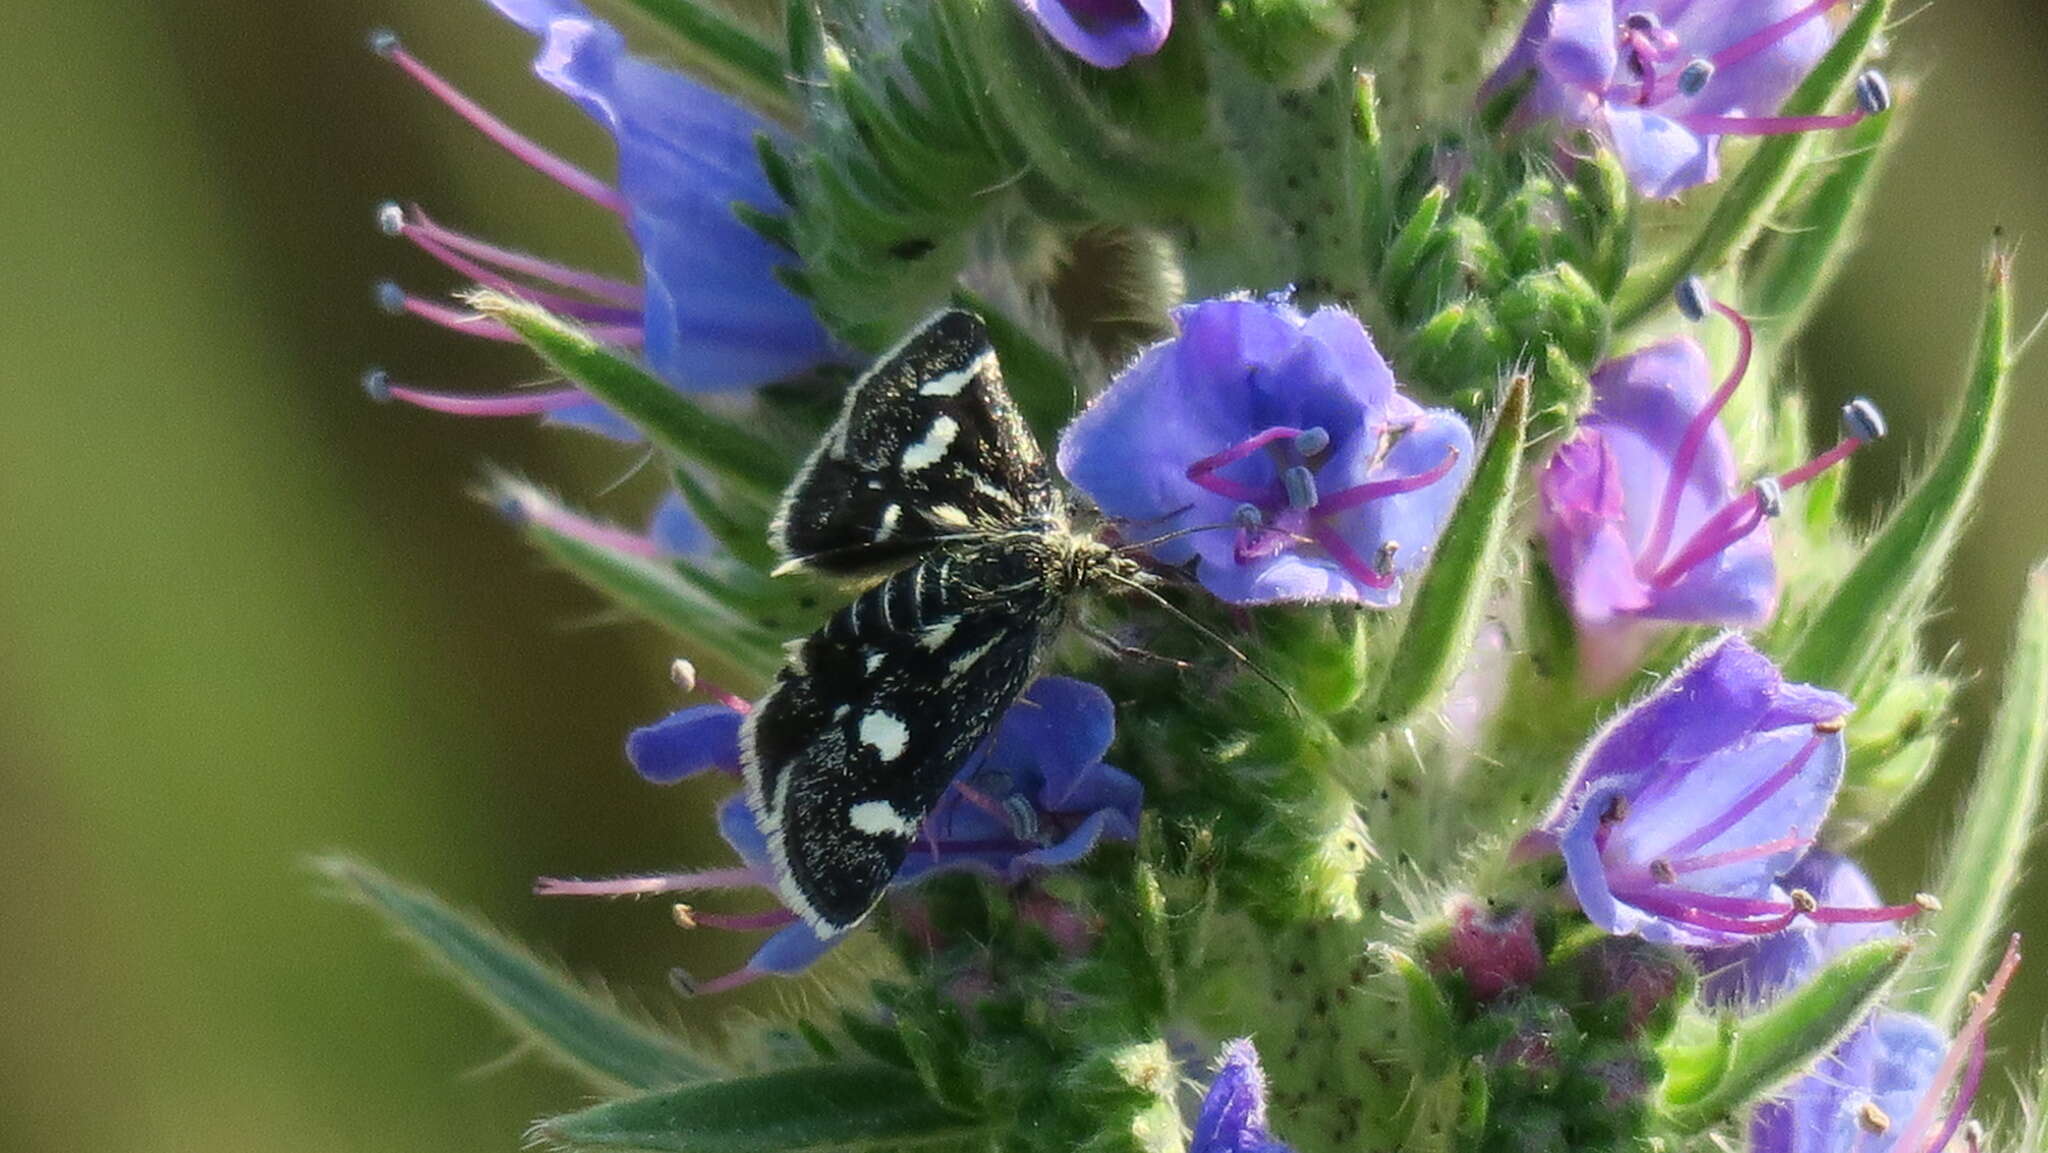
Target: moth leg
x: 1116, y: 647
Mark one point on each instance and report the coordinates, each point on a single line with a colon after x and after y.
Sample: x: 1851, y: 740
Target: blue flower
x: 709, y: 312
x: 1644, y: 518
x: 1105, y: 33
x: 1035, y: 796
x: 1286, y: 434
x: 1233, y: 1116
x: 1897, y: 1084
x: 1663, y: 80
x: 1683, y: 813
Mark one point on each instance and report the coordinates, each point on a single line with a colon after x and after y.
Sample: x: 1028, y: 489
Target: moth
x: 930, y: 481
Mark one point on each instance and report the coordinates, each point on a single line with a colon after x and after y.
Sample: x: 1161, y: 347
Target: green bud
x: 1893, y: 744
x: 1292, y: 43
x: 1557, y: 307
x: 1460, y: 349
x: 1130, y: 1091
x: 1462, y: 259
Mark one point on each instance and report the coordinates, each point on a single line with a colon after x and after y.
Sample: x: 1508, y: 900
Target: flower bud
x: 1491, y: 954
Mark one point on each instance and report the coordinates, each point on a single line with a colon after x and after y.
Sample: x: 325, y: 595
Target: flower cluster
x: 1476, y: 671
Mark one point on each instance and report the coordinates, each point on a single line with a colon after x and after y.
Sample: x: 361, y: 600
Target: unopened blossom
x: 1105, y: 33
x: 1897, y: 1084
x: 1662, y: 81
x: 1035, y: 796
x: 1645, y: 518
x: 1233, y: 1114
x: 1682, y: 814
x: 1492, y: 954
x: 708, y: 311
x: 1282, y: 447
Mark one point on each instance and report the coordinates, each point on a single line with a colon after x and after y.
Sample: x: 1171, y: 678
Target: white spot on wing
x: 875, y: 660
x: 970, y: 658
x: 885, y: 734
x: 951, y: 383
x: 880, y: 818
x: 932, y: 448
x: 937, y: 634
x: 947, y: 516
x: 890, y: 516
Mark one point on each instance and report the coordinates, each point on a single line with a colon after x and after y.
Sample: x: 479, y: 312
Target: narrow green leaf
x: 1778, y: 1043
x: 571, y: 1024
x: 1987, y: 859
x: 1804, y: 259
x: 1754, y: 193
x: 1369, y: 173
x: 1404, y: 255
x: 1889, y: 586
x: 713, y: 43
x: 744, y: 534
x: 812, y: 1108
x: 1426, y: 1014
x: 1450, y: 602
x: 730, y: 647
x: 665, y: 415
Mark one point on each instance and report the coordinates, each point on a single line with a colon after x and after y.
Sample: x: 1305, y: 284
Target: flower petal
x: 686, y: 743
x: 1105, y: 33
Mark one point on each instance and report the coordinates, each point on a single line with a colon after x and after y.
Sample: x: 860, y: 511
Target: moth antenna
x: 1179, y: 532
x: 1217, y: 638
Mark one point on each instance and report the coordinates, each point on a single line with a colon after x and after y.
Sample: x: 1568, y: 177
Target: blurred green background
x: 245, y: 616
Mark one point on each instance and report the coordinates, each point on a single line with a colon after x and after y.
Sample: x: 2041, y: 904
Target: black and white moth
x: 928, y: 466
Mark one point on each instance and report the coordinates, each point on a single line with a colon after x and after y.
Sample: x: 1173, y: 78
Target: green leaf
x: 728, y: 645
x: 667, y: 417
x: 1890, y: 585
x: 812, y: 1108
x: 1999, y: 822
x: 1368, y: 171
x: 1405, y: 254
x: 1429, y: 1035
x: 1451, y: 600
x: 739, y: 527
x: 1804, y: 259
x: 1730, y: 1065
x: 1746, y: 206
x: 715, y: 45
x: 571, y: 1024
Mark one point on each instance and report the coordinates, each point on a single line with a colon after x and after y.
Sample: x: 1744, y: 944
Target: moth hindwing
x: 878, y: 711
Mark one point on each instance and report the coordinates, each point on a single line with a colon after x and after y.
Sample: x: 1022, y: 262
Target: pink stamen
x: 552, y: 301
x: 1741, y: 516
x: 396, y: 300
x: 1202, y: 472
x: 497, y: 131
x: 1372, y: 490
x: 727, y: 983
x: 597, y: 534
x: 416, y: 226
x: 1689, y: 445
x: 1967, y: 1043
x: 1769, y: 125
x: 533, y: 402
x: 1347, y: 558
x: 1750, y: 801
x: 1863, y: 914
x: 1786, y: 843
x: 647, y: 884
x: 1686, y: 908
x: 1769, y: 34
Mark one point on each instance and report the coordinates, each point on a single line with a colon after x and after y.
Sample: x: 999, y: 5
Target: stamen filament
x: 1750, y: 801
x: 1683, y: 909
x: 1689, y: 445
x: 395, y: 300
x: 1737, y: 856
x: 1769, y: 125
x: 552, y: 301
x: 416, y: 225
x: 498, y: 132
x: 1373, y: 490
x: 647, y: 884
x: 744, y: 922
x: 560, y: 521
x: 1769, y: 34
x: 1966, y: 1042
x: 1347, y: 557
x: 531, y: 403
x: 1203, y: 471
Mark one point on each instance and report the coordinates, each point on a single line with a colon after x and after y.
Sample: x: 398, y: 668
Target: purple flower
x: 1105, y: 33
x: 1897, y: 1084
x: 1646, y: 523
x: 1663, y: 80
x: 1284, y: 433
x: 1233, y: 1116
x: 1035, y: 796
x: 709, y: 312
x: 1683, y: 813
